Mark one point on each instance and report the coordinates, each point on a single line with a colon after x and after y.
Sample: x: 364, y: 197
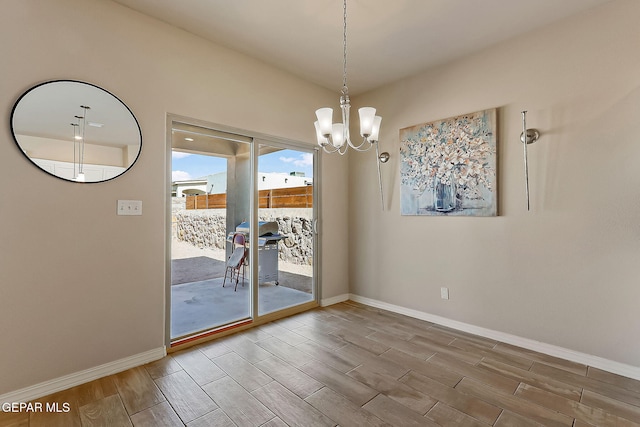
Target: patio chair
x: 237, y: 260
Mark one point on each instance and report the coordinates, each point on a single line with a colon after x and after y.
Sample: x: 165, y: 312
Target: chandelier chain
x: 344, y: 48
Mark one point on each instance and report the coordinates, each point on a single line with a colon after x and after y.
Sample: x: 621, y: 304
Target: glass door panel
x: 211, y: 199
x: 285, y: 234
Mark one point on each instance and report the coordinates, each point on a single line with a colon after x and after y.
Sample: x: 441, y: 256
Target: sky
x: 185, y: 166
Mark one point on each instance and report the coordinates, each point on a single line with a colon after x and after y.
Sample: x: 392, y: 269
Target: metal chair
x: 237, y: 260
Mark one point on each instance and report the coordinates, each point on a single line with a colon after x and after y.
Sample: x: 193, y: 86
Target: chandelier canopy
x: 335, y: 137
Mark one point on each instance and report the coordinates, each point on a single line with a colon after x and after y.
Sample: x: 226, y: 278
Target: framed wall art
x: 448, y: 167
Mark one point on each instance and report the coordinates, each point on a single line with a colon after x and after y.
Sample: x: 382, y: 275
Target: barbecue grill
x: 268, y: 237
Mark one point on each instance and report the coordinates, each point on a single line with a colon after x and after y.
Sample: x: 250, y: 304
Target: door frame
x: 257, y: 139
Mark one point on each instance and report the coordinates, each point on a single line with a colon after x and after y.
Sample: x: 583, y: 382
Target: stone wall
x: 297, y: 246
x: 204, y: 228
x: 207, y: 228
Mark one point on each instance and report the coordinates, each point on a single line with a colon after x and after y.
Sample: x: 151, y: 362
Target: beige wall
x: 565, y: 273
x: 80, y: 286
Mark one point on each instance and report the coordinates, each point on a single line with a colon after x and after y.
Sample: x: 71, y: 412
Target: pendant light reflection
x: 79, y: 145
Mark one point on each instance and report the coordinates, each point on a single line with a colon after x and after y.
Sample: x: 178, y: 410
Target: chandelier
x: 335, y: 137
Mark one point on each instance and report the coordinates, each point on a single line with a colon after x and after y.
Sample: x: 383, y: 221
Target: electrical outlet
x: 129, y: 207
x: 444, y: 293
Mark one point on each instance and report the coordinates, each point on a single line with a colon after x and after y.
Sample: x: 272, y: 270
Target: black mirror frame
x: 13, y: 134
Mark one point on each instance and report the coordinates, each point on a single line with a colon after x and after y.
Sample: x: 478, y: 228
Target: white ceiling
x: 387, y: 39
x: 48, y: 110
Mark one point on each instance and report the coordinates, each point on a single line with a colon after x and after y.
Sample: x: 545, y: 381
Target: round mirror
x: 76, y: 131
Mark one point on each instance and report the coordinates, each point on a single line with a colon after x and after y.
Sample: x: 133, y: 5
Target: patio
x: 198, y: 300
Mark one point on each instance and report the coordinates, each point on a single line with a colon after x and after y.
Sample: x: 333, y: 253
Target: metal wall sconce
x: 528, y: 136
x: 384, y: 157
x: 381, y: 158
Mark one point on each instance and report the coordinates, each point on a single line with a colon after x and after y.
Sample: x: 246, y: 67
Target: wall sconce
x: 528, y: 136
x: 381, y: 158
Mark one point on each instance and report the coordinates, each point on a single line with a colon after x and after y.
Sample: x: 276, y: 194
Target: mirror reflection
x: 76, y: 131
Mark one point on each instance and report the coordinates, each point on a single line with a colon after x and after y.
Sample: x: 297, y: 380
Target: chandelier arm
x: 362, y: 144
x: 328, y: 150
x: 333, y: 149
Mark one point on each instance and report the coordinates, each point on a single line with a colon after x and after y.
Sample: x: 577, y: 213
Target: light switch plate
x: 444, y: 293
x: 129, y: 207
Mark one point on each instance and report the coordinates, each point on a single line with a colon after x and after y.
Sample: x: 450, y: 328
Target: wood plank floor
x: 349, y: 365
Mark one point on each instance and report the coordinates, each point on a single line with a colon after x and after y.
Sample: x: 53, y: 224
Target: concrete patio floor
x: 198, y: 306
x: 199, y: 302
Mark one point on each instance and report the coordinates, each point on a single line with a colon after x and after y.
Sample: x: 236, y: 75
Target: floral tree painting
x: 448, y: 167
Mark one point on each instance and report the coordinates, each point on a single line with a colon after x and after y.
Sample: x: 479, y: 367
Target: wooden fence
x: 206, y: 201
x: 293, y: 197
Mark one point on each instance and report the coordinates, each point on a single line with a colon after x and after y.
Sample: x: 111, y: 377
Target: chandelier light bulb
x: 366, y: 120
x: 325, y: 119
x: 322, y: 141
x: 337, y: 135
x: 376, y: 129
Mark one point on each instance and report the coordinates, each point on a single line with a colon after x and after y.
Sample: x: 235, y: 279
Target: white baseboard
x: 77, y: 378
x: 549, y: 349
x: 334, y: 300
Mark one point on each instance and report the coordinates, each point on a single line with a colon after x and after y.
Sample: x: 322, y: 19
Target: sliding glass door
x: 242, y: 229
